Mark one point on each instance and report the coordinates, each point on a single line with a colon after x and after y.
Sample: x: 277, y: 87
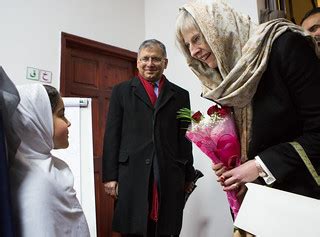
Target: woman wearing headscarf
x: 44, y: 201
x: 270, y: 75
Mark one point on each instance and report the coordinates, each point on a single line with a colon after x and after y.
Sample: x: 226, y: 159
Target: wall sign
x: 36, y: 74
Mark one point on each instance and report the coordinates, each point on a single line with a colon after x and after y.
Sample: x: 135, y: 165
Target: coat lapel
x: 140, y: 92
x: 166, y: 94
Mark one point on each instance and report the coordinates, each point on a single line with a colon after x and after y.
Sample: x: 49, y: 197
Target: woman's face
x: 198, y: 47
x: 60, y: 127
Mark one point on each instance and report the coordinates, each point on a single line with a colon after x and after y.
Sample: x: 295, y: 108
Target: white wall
x: 207, y: 212
x: 31, y: 30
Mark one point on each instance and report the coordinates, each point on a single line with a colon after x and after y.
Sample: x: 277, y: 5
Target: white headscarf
x: 42, y: 185
x: 33, y: 123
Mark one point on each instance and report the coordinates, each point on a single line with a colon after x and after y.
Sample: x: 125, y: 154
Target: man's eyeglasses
x: 155, y: 60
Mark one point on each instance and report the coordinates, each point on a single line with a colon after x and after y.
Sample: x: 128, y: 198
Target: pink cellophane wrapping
x: 218, y: 139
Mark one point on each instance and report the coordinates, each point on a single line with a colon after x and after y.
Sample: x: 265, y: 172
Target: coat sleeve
x: 112, y: 137
x: 185, y: 144
x: 300, y: 69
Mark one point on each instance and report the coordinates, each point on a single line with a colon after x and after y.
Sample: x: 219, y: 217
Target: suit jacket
x: 136, y: 133
x: 286, y: 107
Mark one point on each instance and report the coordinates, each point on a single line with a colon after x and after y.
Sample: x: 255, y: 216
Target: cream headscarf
x: 242, y: 51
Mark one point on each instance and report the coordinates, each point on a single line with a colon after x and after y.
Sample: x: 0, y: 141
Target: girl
x: 45, y: 203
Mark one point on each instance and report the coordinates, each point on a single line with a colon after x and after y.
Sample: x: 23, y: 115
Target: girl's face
x: 198, y: 47
x: 60, y: 127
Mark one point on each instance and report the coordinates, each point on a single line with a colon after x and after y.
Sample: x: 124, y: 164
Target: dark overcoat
x: 286, y: 107
x: 136, y: 132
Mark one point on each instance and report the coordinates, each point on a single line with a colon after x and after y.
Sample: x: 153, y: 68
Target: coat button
x: 147, y: 161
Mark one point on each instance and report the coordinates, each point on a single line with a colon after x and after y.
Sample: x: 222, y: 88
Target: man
x: 311, y: 23
x: 147, y: 161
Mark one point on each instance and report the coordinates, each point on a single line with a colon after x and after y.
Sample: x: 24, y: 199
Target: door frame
x: 73, y: 41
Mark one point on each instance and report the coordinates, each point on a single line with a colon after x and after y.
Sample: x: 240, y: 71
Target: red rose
x: 223, y: 111
x: 197, y: 116
x: 213, y: 109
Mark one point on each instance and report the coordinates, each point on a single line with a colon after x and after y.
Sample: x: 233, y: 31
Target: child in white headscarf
x: 45, y: 203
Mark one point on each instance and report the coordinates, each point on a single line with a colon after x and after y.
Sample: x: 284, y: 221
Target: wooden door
x: 91, y: 69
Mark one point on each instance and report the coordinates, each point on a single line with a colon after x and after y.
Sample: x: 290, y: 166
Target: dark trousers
x: 152, y: 226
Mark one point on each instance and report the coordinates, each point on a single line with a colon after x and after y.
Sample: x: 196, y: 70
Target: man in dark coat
x: 147, y: 161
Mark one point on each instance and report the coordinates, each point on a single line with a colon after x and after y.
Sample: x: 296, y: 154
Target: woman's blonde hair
x: 184, y: 22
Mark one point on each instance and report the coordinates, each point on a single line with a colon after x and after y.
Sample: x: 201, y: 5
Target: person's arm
x: 186, y: 147
x: 112, y: 139
x: 300, y: 69
x: 301, y: 72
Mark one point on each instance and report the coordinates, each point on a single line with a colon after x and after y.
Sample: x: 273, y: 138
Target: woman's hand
x: 219, y: 169
x: 237, y: 177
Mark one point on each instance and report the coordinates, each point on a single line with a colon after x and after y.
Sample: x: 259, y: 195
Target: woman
x: 45, y: 203
x: 270, y: 75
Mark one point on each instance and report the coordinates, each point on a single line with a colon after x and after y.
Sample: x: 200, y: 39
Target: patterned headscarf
x: 242, y: 51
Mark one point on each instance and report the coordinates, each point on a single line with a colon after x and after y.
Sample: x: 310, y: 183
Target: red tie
x: 153, y: 96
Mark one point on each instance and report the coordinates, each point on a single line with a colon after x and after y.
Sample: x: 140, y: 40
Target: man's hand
x: 189, y: 186
x: 111, y: 188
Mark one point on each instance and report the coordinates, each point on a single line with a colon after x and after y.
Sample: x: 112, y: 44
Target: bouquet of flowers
x: 216, y: 136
